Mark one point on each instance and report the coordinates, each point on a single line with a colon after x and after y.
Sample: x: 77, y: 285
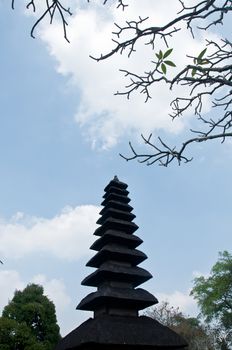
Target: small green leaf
x: 164, y: 68
x: 204, y: 62
x: 167, y: 53
x: 159, y: 55
x: 194, y: 72
x: 170, y: 63
x: 200, y: 56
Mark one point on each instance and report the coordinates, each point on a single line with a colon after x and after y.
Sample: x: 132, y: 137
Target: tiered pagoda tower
x: 117, y: 301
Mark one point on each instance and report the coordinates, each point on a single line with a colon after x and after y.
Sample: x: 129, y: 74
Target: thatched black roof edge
x: 128, y: 331
x: 116, y: 214
x: 117, y: 253
x: 116, y: 205
x: 117, y: 190
x: 112, y: 272
x: 116, y: 182
x: 113, y: 236
x: 115, y: 197
x: 116, y: 224
x: 134, y: 299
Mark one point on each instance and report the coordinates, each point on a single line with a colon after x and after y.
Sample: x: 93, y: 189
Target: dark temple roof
x: 117, y: 332
x: 116, y: 324
x: 117, y: 258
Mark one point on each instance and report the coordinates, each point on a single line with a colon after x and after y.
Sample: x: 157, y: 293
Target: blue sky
x: 60, y: 137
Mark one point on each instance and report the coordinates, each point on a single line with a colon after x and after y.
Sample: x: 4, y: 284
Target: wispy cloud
x: 68, y: 235
x: 105, y: 118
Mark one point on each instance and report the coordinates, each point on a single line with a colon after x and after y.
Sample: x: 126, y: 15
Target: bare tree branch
x: 165, y: 155
x: 207, y: 76
x: 203, y: 10
x: 53, y: 7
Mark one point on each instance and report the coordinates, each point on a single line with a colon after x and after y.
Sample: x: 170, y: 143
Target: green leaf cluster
x: 14, y: 335
x: 29, y: 319
x: 162, y: 62
x: 214, y: 293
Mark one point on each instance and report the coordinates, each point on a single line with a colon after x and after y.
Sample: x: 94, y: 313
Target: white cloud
x: 9, y: 281
x: 67, y: 235
x: 180, y: 300
x: 106, y: 118
x: 55, y: 290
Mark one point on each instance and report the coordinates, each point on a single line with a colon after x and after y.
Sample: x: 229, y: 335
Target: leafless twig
x: 164, y: 155
x: 53, y: 7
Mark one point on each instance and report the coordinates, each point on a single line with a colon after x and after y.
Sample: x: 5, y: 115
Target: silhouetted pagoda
x: 117, y: 301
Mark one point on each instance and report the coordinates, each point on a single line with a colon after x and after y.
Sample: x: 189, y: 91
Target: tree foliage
x: 208, y: 74
x: 14, y: 335
x: 31, y: 315
x: 196, y: 334
x: 214, y: 296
